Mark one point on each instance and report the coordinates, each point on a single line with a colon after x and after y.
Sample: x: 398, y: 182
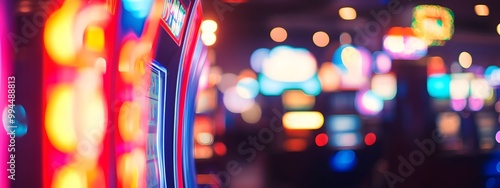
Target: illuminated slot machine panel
x: 110, y: 116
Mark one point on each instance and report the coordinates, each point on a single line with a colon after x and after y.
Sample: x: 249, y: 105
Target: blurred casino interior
x: 253, y: 93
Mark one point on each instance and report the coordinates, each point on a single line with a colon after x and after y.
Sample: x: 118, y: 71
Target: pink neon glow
x: 4, y: 67
x: 497, y: 137
x: 476, y: 104
x: 458, y: 104
x: 383, y: 63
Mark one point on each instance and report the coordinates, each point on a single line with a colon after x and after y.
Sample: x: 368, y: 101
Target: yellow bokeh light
x: 96, y: 178
x: 498, y: 29
x: 69, y: 177
x: 59, y: 120
x: 481, y: 10
x: 321, y: 39
x: 303, y: 120
x: 278, y: 34
x: 131, y: 168
x: 329, y: 77
x: 347, y: 13
x: 208, y: 26
x: 129, y: 119
x: 126, y: 170
x: 253, y: 114
x: 465, y: 60
x: 58, y: 34
x: 203, y: 152
x: 297, y: 100
x: 448, y: 123
x: 94, y: 40
x: 208, y: 38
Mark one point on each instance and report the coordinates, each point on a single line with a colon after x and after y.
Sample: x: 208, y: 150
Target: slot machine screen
x: 154, y: 148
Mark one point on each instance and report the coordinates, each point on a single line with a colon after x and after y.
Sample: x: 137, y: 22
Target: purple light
x: 476, y: 104
x: 382, y: 62
x: 368, y: 103
x: 497, y: 137
x: 458, y: 104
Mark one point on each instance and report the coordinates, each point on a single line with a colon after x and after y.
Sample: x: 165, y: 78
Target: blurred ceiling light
x: 345, y: 38
x: 321, y: 39
x: 308, y: 120
x: 481, y: 10
x: 253, y: 114
x: 208, y: 26
x: 278, y: 34
x: 208, y: 38
x: 347, y: 13
x: 297, y: 100
x: 465, y: 60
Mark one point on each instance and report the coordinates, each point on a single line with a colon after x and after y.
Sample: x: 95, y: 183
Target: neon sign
x: 174, y: 18
x: 433, y: 23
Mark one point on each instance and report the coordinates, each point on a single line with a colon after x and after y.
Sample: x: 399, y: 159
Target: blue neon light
x: 438, y: 86
x: 343, y: 161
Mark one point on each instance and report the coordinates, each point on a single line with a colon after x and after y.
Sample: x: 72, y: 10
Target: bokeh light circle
x: 234, y: 102
x: 343, y: 161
